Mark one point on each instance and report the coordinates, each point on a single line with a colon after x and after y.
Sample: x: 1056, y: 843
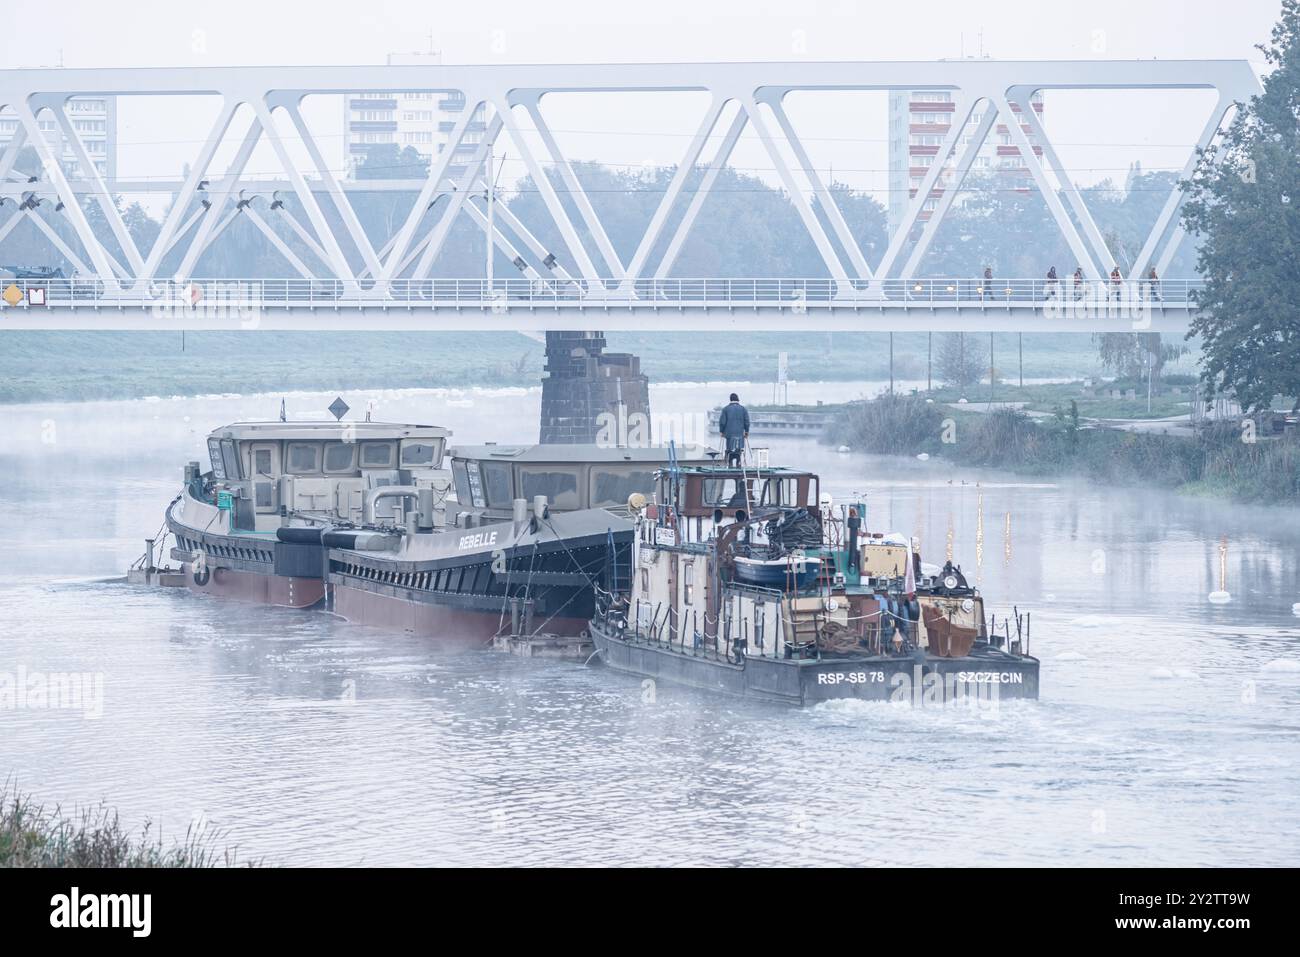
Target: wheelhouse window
x: 474, y: 479
x: 611, y: 486
x: 214, y: 456
x: 723, y: 492
x: 424, y: 453
x: 559, y: 486
x: 459, y: 476
x: 340, y: 457
x: 230, y: 459
x: 304, y: 457
x: 261, y: 463
x: 378, y: 455
x: 780, y: 491
x: 496, y: 478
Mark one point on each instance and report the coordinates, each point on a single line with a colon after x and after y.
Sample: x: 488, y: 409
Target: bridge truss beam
x: 752, y: 94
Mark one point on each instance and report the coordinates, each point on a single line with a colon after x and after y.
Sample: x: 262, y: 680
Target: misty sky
x: 183, y: 32
x: 1098, y: 134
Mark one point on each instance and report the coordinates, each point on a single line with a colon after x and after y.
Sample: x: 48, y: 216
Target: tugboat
x: 744, y: 582
x: 533, y: 532
x: 364, y: 519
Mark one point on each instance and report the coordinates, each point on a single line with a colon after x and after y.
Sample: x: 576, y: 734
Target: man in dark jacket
x: 734, y: 426
x: 854, y: 552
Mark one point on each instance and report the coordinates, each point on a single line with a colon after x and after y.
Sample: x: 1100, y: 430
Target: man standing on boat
x: 854, y: 524
x: 734, y: 426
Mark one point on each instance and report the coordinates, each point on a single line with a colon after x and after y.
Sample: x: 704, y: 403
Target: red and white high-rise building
x: 919, y: 121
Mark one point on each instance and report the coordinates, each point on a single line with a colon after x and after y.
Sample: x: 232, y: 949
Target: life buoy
x: 201, y: 573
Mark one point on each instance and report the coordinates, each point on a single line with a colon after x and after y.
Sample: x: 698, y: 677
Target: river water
x: 1168, y: 732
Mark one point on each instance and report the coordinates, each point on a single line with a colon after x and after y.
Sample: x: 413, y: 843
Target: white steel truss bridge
x: 346, y: 277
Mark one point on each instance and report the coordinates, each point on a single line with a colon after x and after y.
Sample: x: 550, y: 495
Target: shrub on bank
x: 893, y: 425
x: 1216, y: 460
x: 32, y: 835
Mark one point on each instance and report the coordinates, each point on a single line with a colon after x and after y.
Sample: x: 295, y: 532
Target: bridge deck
x: 1016, y: 305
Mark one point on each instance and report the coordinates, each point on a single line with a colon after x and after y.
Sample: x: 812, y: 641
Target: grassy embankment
x: 72, y: 366
x: 1048, y: 397
x: 1215, y: 461
x: 32, y: 835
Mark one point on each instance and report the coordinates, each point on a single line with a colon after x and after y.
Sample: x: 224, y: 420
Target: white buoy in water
x: 843, y: 450
x: 1219, y: 597
x: 923, y: 456
x: 1295, y: 609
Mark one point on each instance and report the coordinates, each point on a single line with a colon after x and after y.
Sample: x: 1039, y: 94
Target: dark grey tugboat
x: 366, y: 520
x: 741, y: 583
x: 532, y: 532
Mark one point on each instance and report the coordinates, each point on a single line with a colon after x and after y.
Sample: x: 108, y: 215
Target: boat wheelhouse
x: 235, y: 523
x: 746, y: 581
x: 490, y: 478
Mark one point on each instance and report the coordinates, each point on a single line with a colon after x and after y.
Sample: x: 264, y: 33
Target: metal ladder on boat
x: 620, y: 579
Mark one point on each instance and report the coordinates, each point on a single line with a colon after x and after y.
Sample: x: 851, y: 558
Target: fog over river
x: 1168, y: 732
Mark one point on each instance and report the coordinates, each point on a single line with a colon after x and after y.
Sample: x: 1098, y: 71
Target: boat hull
x: 431, y: 619
x: 267, y: 589
x: 921, y: 680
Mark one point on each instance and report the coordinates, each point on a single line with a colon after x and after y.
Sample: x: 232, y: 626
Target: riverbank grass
x: 1216, y: 460
x: 33, y: 835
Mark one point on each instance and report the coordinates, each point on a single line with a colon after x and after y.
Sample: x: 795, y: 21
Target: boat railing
x: 731, y: 636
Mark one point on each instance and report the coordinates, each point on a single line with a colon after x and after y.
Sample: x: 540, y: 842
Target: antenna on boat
x: 674, y: 472
x: 282, y: 415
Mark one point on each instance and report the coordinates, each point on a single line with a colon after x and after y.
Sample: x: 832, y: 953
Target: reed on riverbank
x: 32, y: 835
x: 1215, y: 461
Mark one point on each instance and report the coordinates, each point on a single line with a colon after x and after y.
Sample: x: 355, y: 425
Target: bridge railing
x: 785, y: 293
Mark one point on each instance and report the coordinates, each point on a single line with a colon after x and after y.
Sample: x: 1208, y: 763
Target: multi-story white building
x: 93, y: 118
x: 918, y: 122
x: 423, y: 121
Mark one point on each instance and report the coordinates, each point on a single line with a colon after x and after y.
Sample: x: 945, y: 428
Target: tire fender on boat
x: 201, y: 573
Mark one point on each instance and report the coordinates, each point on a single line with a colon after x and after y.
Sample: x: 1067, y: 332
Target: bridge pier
x: 583, y: 382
